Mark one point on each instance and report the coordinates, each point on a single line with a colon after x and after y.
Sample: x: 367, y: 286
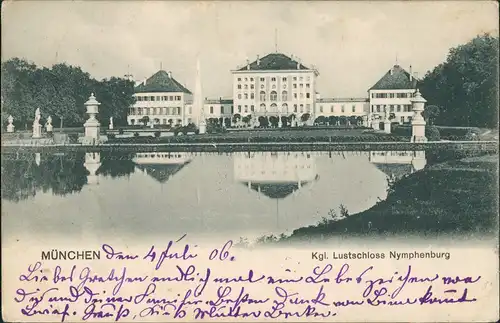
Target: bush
x: 432, y: 133
x: 136, y: 134
x: 120, y: 131
x: 157, y: 134
x: 111, y: 136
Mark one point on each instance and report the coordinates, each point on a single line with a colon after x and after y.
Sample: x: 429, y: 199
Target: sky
x: 352, y: 44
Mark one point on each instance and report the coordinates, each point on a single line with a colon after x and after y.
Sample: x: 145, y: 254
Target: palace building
x: 392, y: 94
x: 336, y: 111
x: 160, y: 99
x: 275, y: 89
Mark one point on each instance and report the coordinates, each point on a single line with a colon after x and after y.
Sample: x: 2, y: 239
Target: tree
x: 431, y: 112
x: 465, y: 86
x: 236, y: 118
x: 305, y: 117
x: 320, y: 120
x: 145, y: 120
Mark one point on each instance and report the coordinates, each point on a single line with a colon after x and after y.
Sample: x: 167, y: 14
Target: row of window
x: 274, y: 108
x: 391, y: 95
x: 274, y: 96
x: 262, y: 86
x: 159, y: 98
x: 392, y: 108
x: 274, y: 79
x: 353, y: 108
x: 155, y: 111
x: 158, y: 121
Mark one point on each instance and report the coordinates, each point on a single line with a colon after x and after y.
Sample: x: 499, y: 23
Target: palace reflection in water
x: 238, y: 194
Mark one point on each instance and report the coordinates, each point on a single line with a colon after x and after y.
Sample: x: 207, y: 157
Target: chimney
x: 258, y: 60
x: 391, y: 71
x: 248, y: 64
x: 411, y: 74
x: 298, y: 64
x: 415, y: 75
x: 144, y: 81
x: 291, y: 56
x: 169, y: 74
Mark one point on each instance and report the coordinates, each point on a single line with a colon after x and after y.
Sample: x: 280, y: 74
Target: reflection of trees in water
x: 116, y: 164
x: 62, y: 174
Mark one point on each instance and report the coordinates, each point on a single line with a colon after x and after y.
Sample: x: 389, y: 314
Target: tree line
x: 60, y: 92
x: 462, y: 91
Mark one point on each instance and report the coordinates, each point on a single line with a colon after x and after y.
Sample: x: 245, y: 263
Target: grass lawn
x: 452, y: 197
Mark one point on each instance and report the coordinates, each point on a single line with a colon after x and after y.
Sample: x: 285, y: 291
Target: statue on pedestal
x: 48, y: 124
x: 111, y: 126
x: 10, y: 126
x: 37, y: 127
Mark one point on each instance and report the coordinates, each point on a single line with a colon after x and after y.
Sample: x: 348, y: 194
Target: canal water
x: 154, y: 195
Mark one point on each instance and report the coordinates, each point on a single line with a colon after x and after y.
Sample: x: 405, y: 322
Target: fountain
x: 92, y: 126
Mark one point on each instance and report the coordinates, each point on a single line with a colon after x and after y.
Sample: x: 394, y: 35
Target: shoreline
x: 485, y: 146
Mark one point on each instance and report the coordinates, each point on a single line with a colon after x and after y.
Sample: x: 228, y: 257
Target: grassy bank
x: 455, y: 197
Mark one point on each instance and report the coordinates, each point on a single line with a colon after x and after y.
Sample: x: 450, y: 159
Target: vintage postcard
x: 248, y: 161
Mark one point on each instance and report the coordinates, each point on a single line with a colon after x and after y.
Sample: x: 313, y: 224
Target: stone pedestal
x: 202, y: 127
x: 387, y: 126
x: 37, y: 130
x: 419, y: 161
x: 280, y: 123
x: 376, y: 125
x: 92, y: 126
x: 418, y: 122
x: 48, y: 125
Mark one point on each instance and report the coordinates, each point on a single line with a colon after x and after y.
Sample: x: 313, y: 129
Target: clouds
x: 352, y: 43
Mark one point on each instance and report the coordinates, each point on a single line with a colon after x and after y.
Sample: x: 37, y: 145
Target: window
x: 398, y: 108
x: 171, y: 98
x: 190, y: 110
x: 391, y: 95
x: 353, y: 108
x: 263, y: 107
x: 274, y: 96
x: 239, y: 109
x: 221, y: 109
x: 262, y: 96
x: 158, y: 98
x: 164, y: 110
x: 308, y: 78
x: 262, y: 86
x: 301, y: 85
x: 284, y: 86
x: 321, y: 108
x: 138, y: 98
x: 252, y: 96
x: 284, y: 96
x: 295, y: 95
x: 308, y: 108
x: 331, y: 108
x: 342, y: 108
x: 239, y: 95
x: 262, y: 79
x: 252, y: 108
x: 251, y: 79
x: 294, y: 108
x: 378, y: 108
x: 251, y: 86
x: 246, y: 108
x: 301, y: 78
x: 239, y: 79
x: 294, y: 85
x: 139, y: 111
x: 211, y: 110
x: 373, y: 95
x: 178, y: 98
x: 246, y: 96
x: 308, y: 95
x: 284, y: 108
x: 152, y: 98
x: 391, y: 108
x: 301, y: 108
x: 232, y: 109
x: 239, y: 86
x: 274, y: 107
x: 284, y: 79
x: 246, y: 79
x: 246, y: 86
x: 274, y: 86
x: 273, y: 79
x: 301, y: 95
x: 308, y: 85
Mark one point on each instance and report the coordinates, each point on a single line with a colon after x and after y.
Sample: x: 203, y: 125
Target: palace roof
x: 273, y: 62
x: 161, y: 81
x: 396, y: 79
